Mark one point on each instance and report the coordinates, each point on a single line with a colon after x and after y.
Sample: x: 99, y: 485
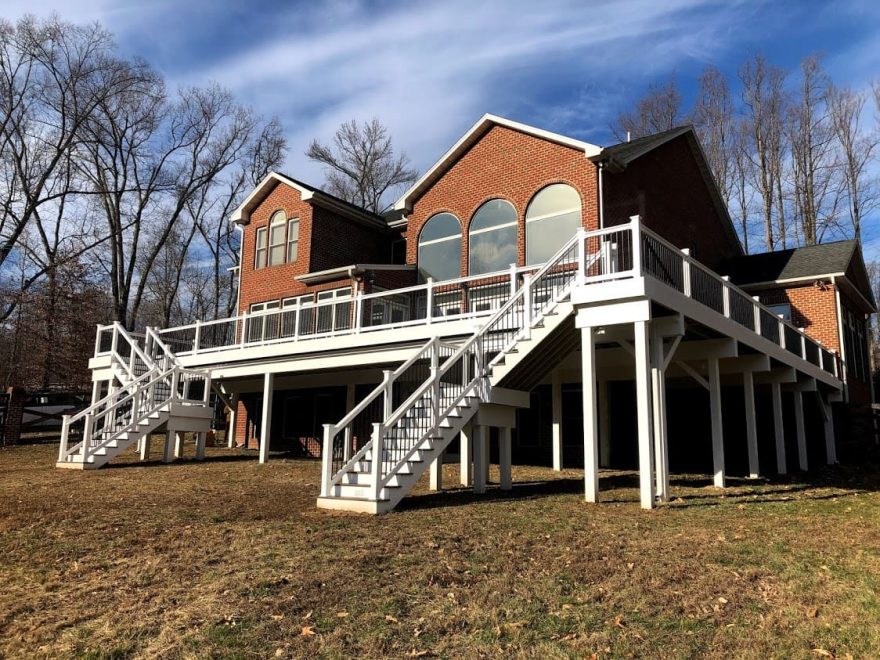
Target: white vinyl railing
x: 619, y: 252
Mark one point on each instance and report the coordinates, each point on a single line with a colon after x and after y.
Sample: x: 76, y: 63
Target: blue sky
x: 429, y: 69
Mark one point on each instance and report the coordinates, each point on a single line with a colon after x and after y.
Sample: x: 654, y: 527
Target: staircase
x: 425, y: 403
x: 154, y: 390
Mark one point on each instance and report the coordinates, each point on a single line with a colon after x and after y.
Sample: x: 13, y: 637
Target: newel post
x: 725, y: 294
x: 376, y: 465
x: 327, y: 460
x: 636, y: 228
x: 388, y: 402
x: 581, y: 255
x: 429, y: 300
x: 757, y: 309
x: 527, y: 306
x: 512, y: 280
x: 197, y: 337
x: 686, y: 272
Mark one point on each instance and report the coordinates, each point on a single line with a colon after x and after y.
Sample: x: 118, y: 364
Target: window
x: 440, y: 248
x: 292, y: 239
x: 263, y: 326
x: 552, y: 218
x: 264, y: 306
x: 336, y: 316
x: 277, y: 228
x: 781, y: 309
x: 492, y: 237
x: 260, y: 254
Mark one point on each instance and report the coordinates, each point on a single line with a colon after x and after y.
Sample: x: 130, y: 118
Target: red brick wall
x: 504, y: 164
x: 337, y: 242
x: 814, y: 308
x: 668, y: 190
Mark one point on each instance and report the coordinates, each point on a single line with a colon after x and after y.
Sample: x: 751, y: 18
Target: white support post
x: 658, y: 390
x: 200, y: 445
x: 527, y: 307
x: 556, y: 396
x: 436, y: 480
x: 266, y: 420
x: 636, y: 245
x: 778, y: 428
x: 725, y: 295
x: 466, y: 474
x: 429, y: 300
x: 178, y: 444
x: 591, y: 418
x: 233, y: 419
x: 378, y: 457
x: 327, y: 460
x: 145, y: 446
x: 505, y: 462
x: 197, y: 337
x: 582, y: 256
x: 358, y: 312
x: 717, y: 422
x: 643, y: 412
x: 800, y: 430
x: 481, y: 460
x: 168, y: 450
x: 686, y: 272
x: 96, y: 391
x: 751, y: 423
x: 604, y: 425
x: 512, y: 280
x: 757, y: 312
x: 830, y: 445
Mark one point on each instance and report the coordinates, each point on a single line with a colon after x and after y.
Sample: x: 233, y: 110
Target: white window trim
x: 544, y: 216
x: 439, y: 240
x: 288, y: 242
x: 257, y: 248
x: 477, y: 232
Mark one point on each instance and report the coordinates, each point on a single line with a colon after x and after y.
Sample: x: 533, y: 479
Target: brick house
x: 532, y: 297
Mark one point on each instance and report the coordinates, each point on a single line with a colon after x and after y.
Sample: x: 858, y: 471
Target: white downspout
x: 840, y: 336
x: 601, y: 199
x: 240, y: 267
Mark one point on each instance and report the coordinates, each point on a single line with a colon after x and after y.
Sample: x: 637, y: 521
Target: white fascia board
x: 771, y: 284
x: 241, y: 215
x: 465, y: 141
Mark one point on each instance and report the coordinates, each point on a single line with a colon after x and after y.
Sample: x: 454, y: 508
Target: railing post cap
x: 635, y: 219
x: 726, y: 278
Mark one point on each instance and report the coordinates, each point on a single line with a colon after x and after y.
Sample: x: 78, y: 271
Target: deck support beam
x: 266, y: 420
x: 830, y: 445
x: 233, y: 419
x: 717, y: 421
x: 145, y: 446
x: 604, y: 425
x: 643, y: 413
x: 201, y: 439
x: 591, y: 417
x: 436, y: 475
x: 479, y: 437
x: 505, y: 462
x: 658, y: 407
x: 466, y: 476
x: 800, y: 430
x: 556, y: 397
x: 168, y: 449
x: 751, y: 423
x: 778, y: 428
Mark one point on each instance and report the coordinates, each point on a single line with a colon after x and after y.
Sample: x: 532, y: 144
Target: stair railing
x: 336, y: 456
x: 464, y: 373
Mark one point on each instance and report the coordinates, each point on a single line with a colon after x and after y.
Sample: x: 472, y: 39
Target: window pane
x: 492, y: 251
x: 492, y: 237
x: 260, y: 256
x: 442, y: 225
x: 442, y: 260
x: 492, y: 213
x: 440, y: 248
x: 276, y: 243
x: 552, y: 218
x: 292, y: 240
x: 544, y: 237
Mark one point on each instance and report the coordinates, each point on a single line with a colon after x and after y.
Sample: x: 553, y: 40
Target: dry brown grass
x: 230, y: 558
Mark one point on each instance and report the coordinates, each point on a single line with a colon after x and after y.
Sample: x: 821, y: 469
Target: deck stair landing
x: 154, y: 391
x: 448, y: 384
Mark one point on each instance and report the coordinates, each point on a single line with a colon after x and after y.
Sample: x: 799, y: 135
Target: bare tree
x: 659, y: 110
x: 53, y: 76
x: 815, y: 185
x: 857, y: 149
x: 713, y: 118
x: 361, y: 166
x: 742, y: 190
x: 764, y: 101
x: 149, y: 159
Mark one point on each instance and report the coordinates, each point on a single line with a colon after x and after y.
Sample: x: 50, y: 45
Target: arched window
x: 552, y: 218
x: 440, y: 247
x: 492, y: 238
x: 277, y: 238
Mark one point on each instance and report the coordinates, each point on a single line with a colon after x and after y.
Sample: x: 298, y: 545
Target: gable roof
x: 839, y: 259
x: 624, y: 153
x: 308, y: 193
x: 473, y: 134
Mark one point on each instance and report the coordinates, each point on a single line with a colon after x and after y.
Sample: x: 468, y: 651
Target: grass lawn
x: 229, y: 558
